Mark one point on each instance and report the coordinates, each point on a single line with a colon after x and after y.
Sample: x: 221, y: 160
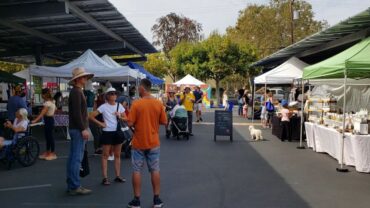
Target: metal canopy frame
x: 323, y: 44
x: 64, y: 28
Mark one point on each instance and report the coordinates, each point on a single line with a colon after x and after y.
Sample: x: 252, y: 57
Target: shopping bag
x: 85, y: 169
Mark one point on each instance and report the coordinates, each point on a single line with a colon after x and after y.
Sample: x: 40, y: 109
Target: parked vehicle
x: 278, y: 93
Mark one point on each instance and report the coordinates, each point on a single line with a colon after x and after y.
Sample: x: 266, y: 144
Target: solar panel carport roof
x: 65, y: 28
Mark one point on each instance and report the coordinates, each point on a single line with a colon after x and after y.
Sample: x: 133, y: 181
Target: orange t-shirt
x: 146, y: 114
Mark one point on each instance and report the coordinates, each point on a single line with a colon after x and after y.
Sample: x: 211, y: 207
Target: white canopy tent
x: 110, y: 61
x: 284, y: 73
x: 93, y: 64
x: 189, y: 80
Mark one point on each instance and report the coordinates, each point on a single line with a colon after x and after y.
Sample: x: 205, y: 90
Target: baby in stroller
x: 18, y: 126
x: 179, y: 121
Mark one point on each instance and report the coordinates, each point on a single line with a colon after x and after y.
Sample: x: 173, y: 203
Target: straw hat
x: 79, y: 72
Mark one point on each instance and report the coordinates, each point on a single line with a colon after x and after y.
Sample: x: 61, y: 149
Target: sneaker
x: 51, y: 156
x: 111, y: 158
x: 200, y: 119
x: 79, y: 191
x: 157, y: 203
x: 135, y: 203
x: 43, y: 155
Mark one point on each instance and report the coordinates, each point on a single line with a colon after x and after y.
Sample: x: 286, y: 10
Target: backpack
x: 269, y: 106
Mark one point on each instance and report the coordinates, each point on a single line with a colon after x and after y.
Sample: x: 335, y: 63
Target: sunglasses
x: 112, y: 93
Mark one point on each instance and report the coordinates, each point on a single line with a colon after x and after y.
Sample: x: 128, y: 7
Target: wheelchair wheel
x: 27, y: 151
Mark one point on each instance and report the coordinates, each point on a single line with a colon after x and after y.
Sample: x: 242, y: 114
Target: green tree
x: 268, y: 27
x: 227, y: 57
x: 158, y: 64
x: 173, y: 29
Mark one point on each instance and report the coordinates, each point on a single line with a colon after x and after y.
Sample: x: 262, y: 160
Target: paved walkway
x: 200, y: 173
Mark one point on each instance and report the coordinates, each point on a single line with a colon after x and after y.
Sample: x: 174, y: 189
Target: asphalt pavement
x: 199, y: 173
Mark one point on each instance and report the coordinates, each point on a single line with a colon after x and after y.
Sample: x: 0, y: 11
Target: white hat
x: 111, y: 89
x: 79, y: 72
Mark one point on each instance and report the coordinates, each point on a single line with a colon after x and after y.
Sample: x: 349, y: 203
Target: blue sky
x: 219, y: 14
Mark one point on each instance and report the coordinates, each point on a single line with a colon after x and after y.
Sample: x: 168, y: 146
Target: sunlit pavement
x: 200, y: 173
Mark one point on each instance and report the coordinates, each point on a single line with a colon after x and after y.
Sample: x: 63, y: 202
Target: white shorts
x: 263, y: 113
x: 198, y: 106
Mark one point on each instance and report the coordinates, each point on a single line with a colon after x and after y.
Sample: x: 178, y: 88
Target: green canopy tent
x: 352, y: 63
x: 9, y: 78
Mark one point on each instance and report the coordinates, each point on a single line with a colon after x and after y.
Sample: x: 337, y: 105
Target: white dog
x: 256, y: 134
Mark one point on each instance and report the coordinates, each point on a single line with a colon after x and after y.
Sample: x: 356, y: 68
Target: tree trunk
x: 217, y: 92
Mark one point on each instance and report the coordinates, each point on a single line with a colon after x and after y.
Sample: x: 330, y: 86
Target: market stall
x: 285, y: 73
x: 189, y: 80
x: 93, y: 64
x: 6, y: 79
x: 342, y: 134
x: 102, y: 71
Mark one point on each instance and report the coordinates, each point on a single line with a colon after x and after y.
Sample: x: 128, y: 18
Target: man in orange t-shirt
x: 146, y: 114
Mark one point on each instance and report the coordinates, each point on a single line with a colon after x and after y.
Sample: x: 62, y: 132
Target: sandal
x: 119, y: 179
x: 105, y: 182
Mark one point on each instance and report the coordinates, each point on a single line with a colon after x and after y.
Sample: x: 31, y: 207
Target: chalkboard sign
x: 223, y: 124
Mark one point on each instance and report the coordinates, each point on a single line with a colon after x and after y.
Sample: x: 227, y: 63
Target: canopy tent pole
x: 127, y: 84
x: 253, y: 98
x: 137, y: 82
x: 31, y: 94
x: 302, y: 119
x: 341, y: 168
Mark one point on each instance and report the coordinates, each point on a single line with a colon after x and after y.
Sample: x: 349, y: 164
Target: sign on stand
x: 223, y: 124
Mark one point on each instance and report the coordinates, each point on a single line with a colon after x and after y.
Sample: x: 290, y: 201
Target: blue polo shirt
x: 198, y: 95
x: 14, y: 104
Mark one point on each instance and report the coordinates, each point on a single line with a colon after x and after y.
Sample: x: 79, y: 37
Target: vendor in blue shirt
x: 16, y: 102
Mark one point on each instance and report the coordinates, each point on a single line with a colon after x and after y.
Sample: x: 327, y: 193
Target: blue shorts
x: 151, y: 157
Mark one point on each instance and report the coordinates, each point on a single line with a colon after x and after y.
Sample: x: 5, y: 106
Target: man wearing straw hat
x: 78, y: 130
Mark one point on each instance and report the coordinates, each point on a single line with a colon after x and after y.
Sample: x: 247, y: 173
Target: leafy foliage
x: 268, y: 27
x: 158, y: 64
x: 173, y: 29
x: 214, y: 58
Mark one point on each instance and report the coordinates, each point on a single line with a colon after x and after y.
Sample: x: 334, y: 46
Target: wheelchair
x: 24, y: 148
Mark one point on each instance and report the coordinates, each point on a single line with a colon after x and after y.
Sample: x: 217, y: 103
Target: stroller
x: 178, y: 124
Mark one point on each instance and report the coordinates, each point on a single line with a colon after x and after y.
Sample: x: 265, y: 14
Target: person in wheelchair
x: 178, y: 111
x: 18, y: 127
x: 179, y: 119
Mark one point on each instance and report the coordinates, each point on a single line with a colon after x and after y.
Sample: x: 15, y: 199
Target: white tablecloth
x: 361, y: 152
x: 310, y: 136
x: 328, y: 140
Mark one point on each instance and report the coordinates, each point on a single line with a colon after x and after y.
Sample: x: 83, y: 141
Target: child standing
x: 245, y: 111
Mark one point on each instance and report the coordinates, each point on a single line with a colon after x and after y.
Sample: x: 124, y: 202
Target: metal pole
x: 302, y: 116
x: 128, y: 81
x: 341, y: 168
x: 253, y: 98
